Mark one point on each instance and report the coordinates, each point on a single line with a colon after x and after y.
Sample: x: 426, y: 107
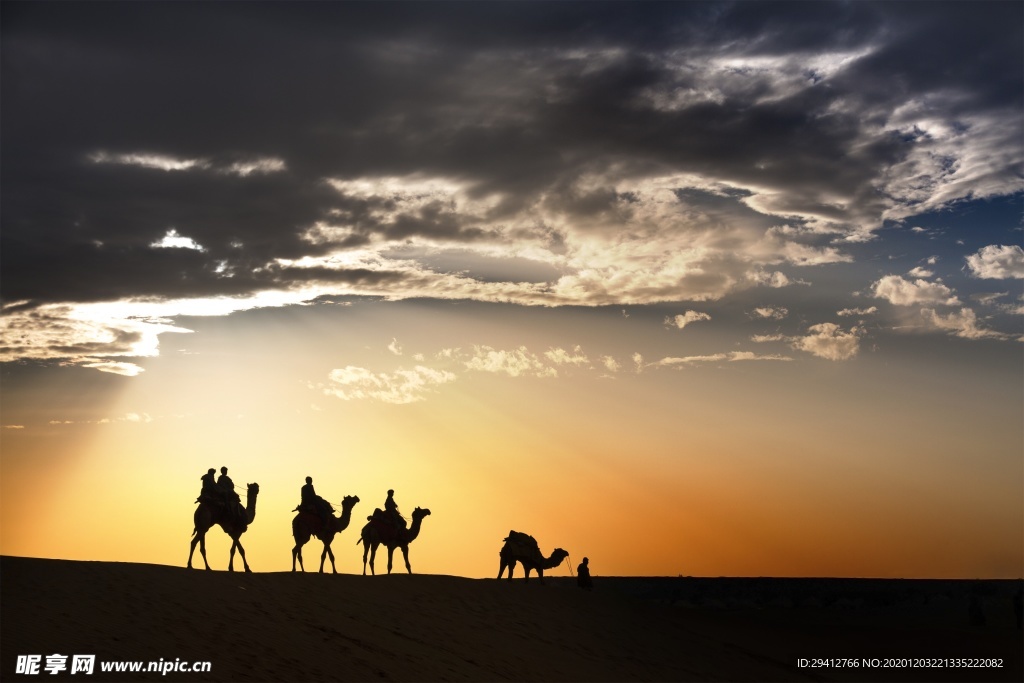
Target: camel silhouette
x: 307, y: 524
x: 523, y: 549
x: 375, y: 534
x: 206, y: 516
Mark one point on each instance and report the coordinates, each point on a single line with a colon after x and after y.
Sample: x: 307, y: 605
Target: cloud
x: 560, y: 356
x: 172, y: 240
x: 771, y: 312
x: 997, y: 262
x: 732, y: 356
x: 902, y: 292
x: 115, y: 367
x: 682, y: 320
x: 962, y: 323
x: 145, y: 160
x: 395, y: 348
x: 857, y: 311
x: 610, y: 364
x: 487, y: 153
x: 400, y: 387
x: 829, y: 341
x: 920, y: 272
x: 515, y: 363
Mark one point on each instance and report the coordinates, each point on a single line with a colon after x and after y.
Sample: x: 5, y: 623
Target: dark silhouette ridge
x: 208, y: 514
x: 380, y: 529
x: 523, y: 548
x: 308, y: 523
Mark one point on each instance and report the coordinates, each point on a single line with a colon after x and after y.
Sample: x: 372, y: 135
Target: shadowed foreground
x: 312, y: 627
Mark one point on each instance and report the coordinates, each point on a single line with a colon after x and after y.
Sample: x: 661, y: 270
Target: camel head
x: 419, y: 513
x: 253, y: 489
x: 559, y: 555
x: 349, y: 502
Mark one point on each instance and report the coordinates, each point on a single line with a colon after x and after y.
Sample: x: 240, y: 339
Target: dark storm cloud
x: 513, y: 99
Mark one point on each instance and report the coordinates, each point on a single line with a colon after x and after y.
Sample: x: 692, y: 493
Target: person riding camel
x: 391, y: 509
x: 231, y: 497
x: 314, y: 503
x: 209, y: 492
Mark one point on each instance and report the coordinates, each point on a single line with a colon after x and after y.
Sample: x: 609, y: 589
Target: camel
x: 524, y: 549
x: 375, y: 534
x: 206, y: 516
x: 307, y: 524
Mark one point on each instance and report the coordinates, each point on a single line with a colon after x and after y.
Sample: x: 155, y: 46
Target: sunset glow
x: 707, y: 289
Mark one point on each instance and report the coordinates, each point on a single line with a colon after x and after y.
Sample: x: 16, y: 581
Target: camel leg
x: 540, y: 574
x: 241, y: 551
x: 297, y: 553
x: 405, y: 554
x: 324, y: 555
x: 373, y: 556
x: 391, y: 555
x: 201, y: 540
x: 366, y: 550
x: 231, y: 559
x: 330, y: 554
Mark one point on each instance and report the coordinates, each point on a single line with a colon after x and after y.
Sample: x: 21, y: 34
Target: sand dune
x: 311, y: 627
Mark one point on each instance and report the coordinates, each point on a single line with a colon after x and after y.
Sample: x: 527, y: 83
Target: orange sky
x: 735, y: 469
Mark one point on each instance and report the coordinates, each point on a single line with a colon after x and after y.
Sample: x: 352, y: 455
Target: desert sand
x: 313, y: 627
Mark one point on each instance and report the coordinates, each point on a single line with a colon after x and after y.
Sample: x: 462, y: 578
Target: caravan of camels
x: 219, y: 504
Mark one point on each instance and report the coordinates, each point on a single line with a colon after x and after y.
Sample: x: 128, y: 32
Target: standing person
x: 583, y: 575
x: 391, y: 508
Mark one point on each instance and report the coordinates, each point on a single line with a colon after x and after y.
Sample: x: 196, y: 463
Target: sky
x: 695, y: 288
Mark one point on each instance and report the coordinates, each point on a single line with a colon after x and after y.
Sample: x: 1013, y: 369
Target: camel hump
x: 522, y: 544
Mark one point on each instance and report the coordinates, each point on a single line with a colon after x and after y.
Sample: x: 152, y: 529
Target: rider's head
x: 211, y: 471
x: 391, y: 492
x: 223, y: 470
x: 309, y: 480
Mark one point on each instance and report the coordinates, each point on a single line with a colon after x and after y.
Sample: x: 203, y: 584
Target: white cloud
x: 172, y: 240
x: 560, y: 356
x: 762, y: 338
x: 962, y: 323
x: 400, y: 387
x: 115, y: 367
x: 920, y: 272
x: 638, y: 362
x: 997, y: 262
x: 732, y: 356
x: 394, y: 347
x: 906, y: 293
x: 772, y: 312
x: 610, y: 364
x: 515, y: 363
x: 264, y: 165
x: 828, y: 340
x: 750, y: 355
x: 857, y: 311
x: 689, y: 360
x: 681, y: 321
x: 161, y: 162
x: 14, y: 426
